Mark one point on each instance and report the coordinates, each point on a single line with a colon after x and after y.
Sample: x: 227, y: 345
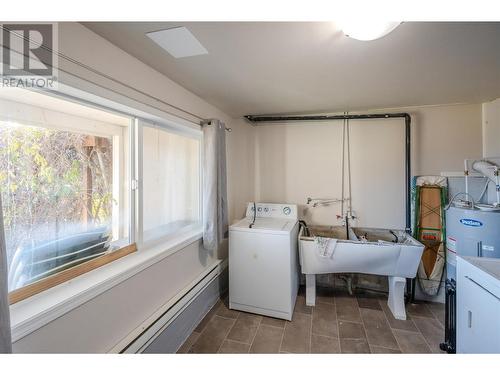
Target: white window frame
x: 39, y: 310
x: 127, y: 158
x: 156, y: 118
x: 29, y: 115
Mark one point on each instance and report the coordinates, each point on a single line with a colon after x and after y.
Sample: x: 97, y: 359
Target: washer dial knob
x: 287, y: 210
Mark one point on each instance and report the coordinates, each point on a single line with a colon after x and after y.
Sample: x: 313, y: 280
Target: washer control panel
x: 273, y: 210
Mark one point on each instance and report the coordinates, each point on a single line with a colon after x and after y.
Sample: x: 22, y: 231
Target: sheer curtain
x: 215, y: 215
x: 5, y: 336
x: 171, y: 182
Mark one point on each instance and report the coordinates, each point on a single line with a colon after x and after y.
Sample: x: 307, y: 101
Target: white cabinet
x: 478, y: 305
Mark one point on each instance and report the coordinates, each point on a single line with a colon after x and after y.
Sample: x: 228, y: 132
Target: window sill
x: 34, y: 312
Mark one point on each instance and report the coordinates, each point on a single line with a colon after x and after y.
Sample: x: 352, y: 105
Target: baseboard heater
x: 139, y: 339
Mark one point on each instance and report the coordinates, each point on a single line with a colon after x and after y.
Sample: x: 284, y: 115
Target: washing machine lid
x: 265, y: 225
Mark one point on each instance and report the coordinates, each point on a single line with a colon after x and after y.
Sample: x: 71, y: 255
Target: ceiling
x: 304, y: 67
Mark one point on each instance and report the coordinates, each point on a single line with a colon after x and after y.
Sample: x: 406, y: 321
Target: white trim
x: 139, y: 168
x: 35, y: 312
x: 138, y: 339
x: 132, y: 181
x: 34, y: 115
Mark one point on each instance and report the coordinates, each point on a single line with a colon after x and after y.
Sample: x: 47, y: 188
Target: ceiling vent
x: 178, y: 41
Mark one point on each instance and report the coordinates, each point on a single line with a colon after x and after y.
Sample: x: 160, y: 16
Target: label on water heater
x: 451, y: 244
x: 471, y: 222
x: 451, y: 251
x: 488, y: 248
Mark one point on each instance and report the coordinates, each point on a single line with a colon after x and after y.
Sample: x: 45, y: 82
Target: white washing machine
x: 263, y: 261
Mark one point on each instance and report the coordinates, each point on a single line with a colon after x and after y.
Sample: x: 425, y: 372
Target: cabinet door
x: 478, y: 325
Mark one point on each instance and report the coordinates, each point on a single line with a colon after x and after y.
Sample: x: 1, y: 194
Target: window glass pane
x: 60, y: 202
x: 171, y: 182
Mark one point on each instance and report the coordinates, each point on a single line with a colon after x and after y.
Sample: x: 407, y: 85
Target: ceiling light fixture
x: 367, y: 30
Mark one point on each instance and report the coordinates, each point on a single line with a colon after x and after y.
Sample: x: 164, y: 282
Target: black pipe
x: 265, y: 118
x: 406, y: 116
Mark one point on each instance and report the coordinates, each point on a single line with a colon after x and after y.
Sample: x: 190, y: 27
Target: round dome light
x: 367, y: 30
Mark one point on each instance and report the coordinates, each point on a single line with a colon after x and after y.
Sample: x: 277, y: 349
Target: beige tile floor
x: 339, y: 323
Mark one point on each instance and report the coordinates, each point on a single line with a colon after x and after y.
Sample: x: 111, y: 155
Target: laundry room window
x: 171, y: 182
x: 64, y: 170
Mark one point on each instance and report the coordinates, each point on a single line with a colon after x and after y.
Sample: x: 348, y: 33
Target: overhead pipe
x: 406, y: 116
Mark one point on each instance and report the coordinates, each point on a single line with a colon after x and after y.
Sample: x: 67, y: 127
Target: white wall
x: 443, y: 136
x: 491, y: 129
x: 241, y: 167
x: 299, y: 160
x: 100, y: 323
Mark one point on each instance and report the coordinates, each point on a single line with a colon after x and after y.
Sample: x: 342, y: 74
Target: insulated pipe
x: 406, y: 116
x: 497, y: 186
x: 349, y: 167
x: 490, y: 171
x: 466, y: 174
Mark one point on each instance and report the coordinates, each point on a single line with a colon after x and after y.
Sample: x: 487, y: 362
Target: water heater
x: 472, y: 229
x: 471, y: 232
